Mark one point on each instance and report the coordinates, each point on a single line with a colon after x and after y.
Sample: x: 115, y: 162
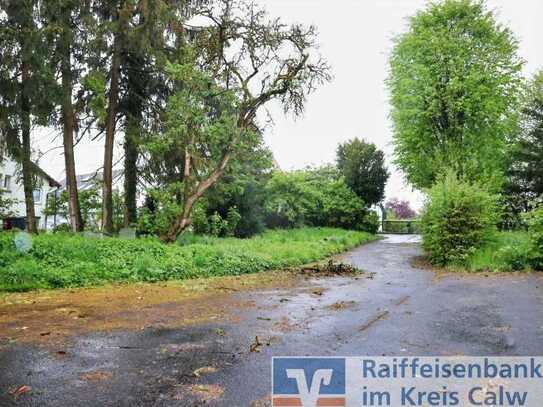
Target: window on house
x: 37, y: 195
x: 7, y: 182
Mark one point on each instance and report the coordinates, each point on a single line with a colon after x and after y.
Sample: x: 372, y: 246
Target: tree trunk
x: 131, y: 170
x: 68, y: 122
x: 183, y: 221
x: 28, y: 184
x: 137, y: 81
x: 113, y: 106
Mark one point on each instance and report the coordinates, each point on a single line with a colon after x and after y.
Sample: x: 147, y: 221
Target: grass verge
x: 57, y: 261
x: 503, y: 251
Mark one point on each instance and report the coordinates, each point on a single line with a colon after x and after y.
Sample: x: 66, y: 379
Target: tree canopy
x: 454, y: 85
x: 363, y: 167
x: 525, y: 174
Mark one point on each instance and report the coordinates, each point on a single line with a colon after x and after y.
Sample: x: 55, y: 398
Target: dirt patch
x: 286, y: 325
x: 204, y: 393
x: 265, y: 401
x: 329, y: 269
x: 52, y: 317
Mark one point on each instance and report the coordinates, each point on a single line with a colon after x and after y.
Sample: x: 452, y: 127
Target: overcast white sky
x: 356, y: 39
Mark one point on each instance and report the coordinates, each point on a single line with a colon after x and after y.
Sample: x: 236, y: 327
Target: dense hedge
x: 457, y: 218
x: 61, y: 260
x: 315, y: 197
x: 535, y: 232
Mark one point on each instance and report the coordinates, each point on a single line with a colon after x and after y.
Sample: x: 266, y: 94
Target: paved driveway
x: 393, y: 308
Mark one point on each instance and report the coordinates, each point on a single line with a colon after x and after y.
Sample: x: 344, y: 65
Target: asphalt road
x: 393, y: 308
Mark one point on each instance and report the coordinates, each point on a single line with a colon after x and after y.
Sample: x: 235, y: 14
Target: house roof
x: 36, y: 169
x: 39, y: 171
x: 86, y: 181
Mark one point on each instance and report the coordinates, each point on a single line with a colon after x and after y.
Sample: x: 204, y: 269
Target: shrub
x: 290, y: 199
x: 457, y: 218
x: 160, y: 210
x: 62, y: 228
x: 535, y: 232
x: 370, y: 222
x: 317, y: 197
x: 232, y: 220
x: 216, y: 225
x: 200, y: 224
x: 398, y: 209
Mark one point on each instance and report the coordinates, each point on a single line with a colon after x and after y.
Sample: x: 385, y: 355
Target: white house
x: 84, y: 182
x: 11, y: 184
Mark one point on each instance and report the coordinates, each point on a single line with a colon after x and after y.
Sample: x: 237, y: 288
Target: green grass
x: 504, y: 251
x: 58, y: 260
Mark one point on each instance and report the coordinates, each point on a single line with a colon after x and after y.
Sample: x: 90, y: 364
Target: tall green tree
x: 155, y: 35
x: 27, y: 88
x: 67, y: 26
x: 118, y: 15
x: 108, y: 38
x: 242, y: 61
x: 454, y: 87
x: 526, y: 170
x: 364, y: 169
x: 133, y: 39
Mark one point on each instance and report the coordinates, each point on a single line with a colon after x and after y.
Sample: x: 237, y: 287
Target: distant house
x: 85, y: 182
x: 11, y: 184
x: 93, y: 180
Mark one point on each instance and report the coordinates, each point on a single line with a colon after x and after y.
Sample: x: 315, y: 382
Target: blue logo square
x: 290, y: 375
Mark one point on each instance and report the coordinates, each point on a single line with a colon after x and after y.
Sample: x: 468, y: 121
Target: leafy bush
x: 200, y: 223
x: 232, y: 220
x: 535, y: 232
x: 291, y: 198
x: 215, y: 225
x: 318, y: 197
x: 62, y: 228
x: 160, y: 210
x: 457, y: 218
x: 398, y: 209
x: 241, y: 188
x: 66, y: 260
x: 370, y: 222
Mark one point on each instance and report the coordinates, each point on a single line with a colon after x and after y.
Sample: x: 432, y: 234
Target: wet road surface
x: 393, y: 308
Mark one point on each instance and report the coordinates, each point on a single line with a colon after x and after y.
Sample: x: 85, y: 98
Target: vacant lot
x: 200, y: 343
x: 57, y: 261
